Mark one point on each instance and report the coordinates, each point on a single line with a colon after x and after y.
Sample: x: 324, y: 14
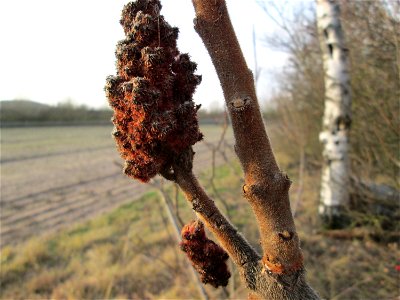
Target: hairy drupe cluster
x: 208, y: 258
x: 155, y: 117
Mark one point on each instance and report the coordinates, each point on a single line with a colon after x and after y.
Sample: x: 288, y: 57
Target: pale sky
x: 54, y: 50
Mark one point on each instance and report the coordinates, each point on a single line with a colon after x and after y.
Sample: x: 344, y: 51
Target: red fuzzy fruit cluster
x: 207, y: 257
x: 155, y: 117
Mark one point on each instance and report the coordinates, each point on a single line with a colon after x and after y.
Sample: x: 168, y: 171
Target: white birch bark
x: 337, y: 113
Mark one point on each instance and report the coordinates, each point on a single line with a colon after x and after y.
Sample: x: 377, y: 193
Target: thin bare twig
x: 174, y: 222
x: 214, y: 149
x: 300, y: 180
x: 178, y: 216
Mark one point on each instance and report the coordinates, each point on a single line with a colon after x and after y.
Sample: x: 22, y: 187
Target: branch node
x: 255, y: 192
x: 240, y: 103
x: 282, y: 180
x: 219, y: 223
x: 286, y: 235
x: 196, y: 204
x: 245, y: 188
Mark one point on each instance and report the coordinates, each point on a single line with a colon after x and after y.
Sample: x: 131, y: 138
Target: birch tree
x: 335, y: 182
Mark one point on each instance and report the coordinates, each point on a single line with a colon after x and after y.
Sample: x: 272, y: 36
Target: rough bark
x: 279, y: 274
x: 335, y: 182
x: 261, y: 282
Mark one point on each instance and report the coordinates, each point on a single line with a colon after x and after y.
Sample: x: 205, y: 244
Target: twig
x: 300, y: 180
x: 214, y: 149
x: 178, y: 216
x: 174, y: 223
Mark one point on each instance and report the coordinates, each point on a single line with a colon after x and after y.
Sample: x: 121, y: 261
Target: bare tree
x: 156, y: 127
x: 372, y: 36
x: 335, y: 183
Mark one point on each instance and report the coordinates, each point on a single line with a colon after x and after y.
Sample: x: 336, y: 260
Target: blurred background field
x: 53, y: 176
x: 122, y: 244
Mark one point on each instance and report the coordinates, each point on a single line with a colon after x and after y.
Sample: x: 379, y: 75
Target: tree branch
x: 266, y: 188
x: 234, y: 243
x: 214, y: 27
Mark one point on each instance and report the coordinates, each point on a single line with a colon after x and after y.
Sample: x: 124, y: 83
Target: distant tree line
x: 26, y: 113
x: 30, y: 113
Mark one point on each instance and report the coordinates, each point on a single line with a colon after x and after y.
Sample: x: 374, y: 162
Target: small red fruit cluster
x: 155, y: 117
x: 207, y: 257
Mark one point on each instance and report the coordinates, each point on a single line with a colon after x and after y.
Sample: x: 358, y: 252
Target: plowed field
x: 55, y: 176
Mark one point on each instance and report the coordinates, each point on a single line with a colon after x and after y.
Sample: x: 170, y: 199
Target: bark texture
x: 279, y: 274
x: 335, y: 182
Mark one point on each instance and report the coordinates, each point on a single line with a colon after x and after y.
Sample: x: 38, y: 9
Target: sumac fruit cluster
x: 208, y: 258
x: 155, y: 117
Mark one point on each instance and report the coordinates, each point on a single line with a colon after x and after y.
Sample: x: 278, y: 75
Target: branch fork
x: 156, y: 125
x: 279, y: 274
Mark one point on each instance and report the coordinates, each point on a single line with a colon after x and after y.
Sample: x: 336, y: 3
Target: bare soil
x: 56, y: 176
